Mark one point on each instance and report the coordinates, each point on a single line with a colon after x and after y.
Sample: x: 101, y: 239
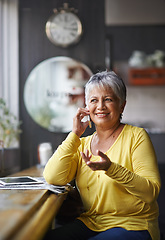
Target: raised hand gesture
x: 103, y: 164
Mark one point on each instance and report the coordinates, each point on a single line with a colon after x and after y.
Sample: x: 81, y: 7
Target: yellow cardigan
x: 125, y: 195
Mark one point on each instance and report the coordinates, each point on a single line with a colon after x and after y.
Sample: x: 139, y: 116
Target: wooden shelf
x: 147, y: 76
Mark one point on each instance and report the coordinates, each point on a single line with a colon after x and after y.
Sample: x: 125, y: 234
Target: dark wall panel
x: 126, y: 39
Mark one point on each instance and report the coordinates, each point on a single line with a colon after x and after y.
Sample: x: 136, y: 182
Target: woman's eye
x: 93, y: 100
x: 108, y: 100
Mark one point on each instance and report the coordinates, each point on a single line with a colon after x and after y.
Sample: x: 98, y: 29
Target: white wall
x: 146, y: 107
x: 128, y: 12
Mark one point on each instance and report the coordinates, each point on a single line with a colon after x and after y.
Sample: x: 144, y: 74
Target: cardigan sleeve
x: 144, y: 180
x: 61, y: 167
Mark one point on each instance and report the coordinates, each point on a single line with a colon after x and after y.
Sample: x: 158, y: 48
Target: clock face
x: 64, y: 29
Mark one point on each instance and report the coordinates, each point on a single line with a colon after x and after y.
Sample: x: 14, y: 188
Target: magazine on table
x: 27, y: 182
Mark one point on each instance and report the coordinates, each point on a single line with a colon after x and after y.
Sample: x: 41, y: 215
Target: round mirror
x: 54, y: 90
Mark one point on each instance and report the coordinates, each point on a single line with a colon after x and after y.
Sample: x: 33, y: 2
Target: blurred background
x: 42, y: 82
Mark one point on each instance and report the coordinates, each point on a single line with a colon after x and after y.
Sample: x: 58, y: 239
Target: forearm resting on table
x: 61, y: 167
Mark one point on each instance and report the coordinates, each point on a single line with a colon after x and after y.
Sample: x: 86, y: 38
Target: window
x: 9, y: 80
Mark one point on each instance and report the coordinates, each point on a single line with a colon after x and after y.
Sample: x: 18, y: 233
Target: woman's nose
x: 101, y: 105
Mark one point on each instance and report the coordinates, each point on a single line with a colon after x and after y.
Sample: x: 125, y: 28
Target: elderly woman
x: 115, y: 169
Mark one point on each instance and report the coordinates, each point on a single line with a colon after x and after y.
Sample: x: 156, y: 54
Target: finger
x: 86, y: 156
x: 83, y: 156
x: 87, y: 152
x: 83, y: 111
x: 85, y: 124
x: 101, y: 154
x: 104, y: 159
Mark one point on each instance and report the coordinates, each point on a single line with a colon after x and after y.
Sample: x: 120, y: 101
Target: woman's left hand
x: 103, y: 164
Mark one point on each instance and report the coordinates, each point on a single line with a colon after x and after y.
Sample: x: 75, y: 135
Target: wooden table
x: 27, y: 214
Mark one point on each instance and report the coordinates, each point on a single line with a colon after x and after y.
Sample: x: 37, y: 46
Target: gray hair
x: 107, y: 79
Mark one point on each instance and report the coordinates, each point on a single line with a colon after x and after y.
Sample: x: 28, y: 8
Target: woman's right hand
x: 79, y: 126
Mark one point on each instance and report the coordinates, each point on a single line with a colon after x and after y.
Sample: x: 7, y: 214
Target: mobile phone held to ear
x: 89, y: 121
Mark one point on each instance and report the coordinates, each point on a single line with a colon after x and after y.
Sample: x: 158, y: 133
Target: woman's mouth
x: 101, y: 115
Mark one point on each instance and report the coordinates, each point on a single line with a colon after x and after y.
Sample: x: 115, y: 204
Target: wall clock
x: 64, y: 27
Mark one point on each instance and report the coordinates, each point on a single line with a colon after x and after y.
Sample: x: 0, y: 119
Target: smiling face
x: 105, y: 107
